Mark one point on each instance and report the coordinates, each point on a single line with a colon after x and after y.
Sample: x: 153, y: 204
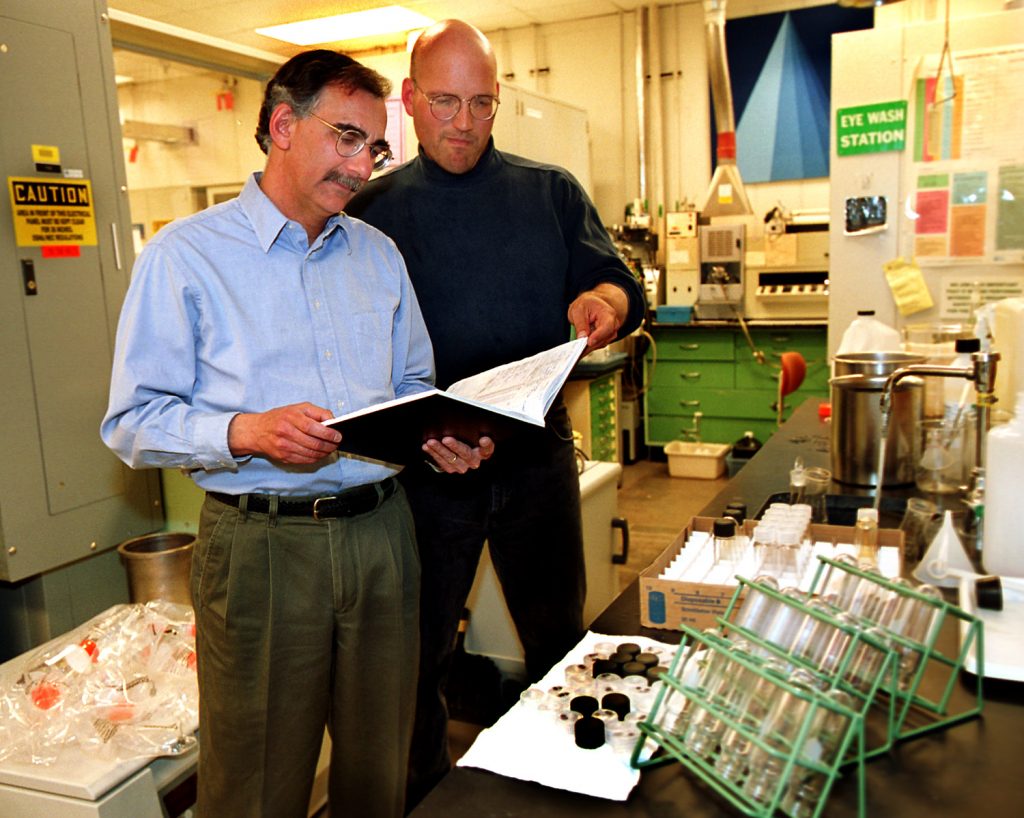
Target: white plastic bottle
x: 867, y: 334
x: 1002, y: 548
x: 957, y: 392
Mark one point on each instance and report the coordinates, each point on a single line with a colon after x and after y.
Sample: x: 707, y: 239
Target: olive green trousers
x: 303, y: 624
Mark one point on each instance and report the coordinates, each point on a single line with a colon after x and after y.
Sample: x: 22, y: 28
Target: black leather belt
x: 349, y: 503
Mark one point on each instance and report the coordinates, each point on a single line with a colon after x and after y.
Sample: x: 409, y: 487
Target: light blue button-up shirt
x: 231, y: 310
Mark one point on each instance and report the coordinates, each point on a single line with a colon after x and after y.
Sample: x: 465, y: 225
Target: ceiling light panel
x: 341, y: 27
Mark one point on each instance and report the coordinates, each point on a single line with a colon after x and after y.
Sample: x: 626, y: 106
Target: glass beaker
x: 940, y: 468
x: 816, y: 485
x: 937, y: 342
x: 919, y: 524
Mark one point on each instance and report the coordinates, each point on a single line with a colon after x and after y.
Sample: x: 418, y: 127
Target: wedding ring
x: 454, y: 457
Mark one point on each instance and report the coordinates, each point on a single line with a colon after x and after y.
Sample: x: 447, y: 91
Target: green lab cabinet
x: 713, y: 371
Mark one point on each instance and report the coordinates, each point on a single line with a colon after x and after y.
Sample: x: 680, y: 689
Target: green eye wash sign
x: 871, y: 128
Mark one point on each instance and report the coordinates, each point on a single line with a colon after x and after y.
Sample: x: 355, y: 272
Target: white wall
x: 894, y: 53
x: 163, y: 178
x: 592, y: 63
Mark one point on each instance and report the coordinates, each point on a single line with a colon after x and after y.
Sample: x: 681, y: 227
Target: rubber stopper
x: 620, y: 658
x: 988, y: 591
x: 724, y: 527
x: 589, y: 733
x: 634, y: 669
x: 629, y: 647
x: 619, y: 702
x: 648, y: 660
x: 584, y: 705
x: 654, y: 673
x: 605, y: 666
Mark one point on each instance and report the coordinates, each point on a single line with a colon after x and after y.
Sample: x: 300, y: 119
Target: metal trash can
x: 159, y: 566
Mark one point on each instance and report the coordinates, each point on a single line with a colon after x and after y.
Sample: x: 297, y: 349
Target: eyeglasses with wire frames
x: 350, y: 142
x: 446, y: 107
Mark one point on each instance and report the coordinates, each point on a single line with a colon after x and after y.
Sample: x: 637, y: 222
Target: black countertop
x: 955, y: 772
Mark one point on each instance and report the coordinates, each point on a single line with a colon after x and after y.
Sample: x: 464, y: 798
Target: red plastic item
x: 824, y: 411
x: 90, y: 647
x: 45, y: 695
x: 792, y: 373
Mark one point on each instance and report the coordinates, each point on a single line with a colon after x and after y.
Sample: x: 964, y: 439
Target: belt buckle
x: 316, y: 504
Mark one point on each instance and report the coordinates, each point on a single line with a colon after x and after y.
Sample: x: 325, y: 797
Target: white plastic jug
x: 867, y: 334
x: 1002, y: 549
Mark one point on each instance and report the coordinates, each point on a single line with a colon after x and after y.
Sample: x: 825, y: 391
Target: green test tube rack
x: 874, y: 685
x: 880, y: 669
x: 794, y: 757
x: 918, y: 712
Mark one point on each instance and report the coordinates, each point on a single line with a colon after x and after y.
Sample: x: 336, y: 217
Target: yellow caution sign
x: 52, y: 211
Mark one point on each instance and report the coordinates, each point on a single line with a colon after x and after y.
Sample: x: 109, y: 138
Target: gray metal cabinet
x: 65, y: 261
x: 544, y: 130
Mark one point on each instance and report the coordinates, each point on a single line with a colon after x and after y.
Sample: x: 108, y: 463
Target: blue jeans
x: 525, y: 502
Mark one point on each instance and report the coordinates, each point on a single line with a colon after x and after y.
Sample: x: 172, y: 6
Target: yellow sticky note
x: 909, y: 290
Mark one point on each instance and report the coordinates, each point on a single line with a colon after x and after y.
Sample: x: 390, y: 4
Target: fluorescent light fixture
x: 369, y: 23
x: 123, y: 79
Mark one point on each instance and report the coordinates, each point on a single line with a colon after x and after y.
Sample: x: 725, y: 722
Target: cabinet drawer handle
x: 689, y: 376
x: 689, y: 347
x: 689, y: 403
x: 622, y: 524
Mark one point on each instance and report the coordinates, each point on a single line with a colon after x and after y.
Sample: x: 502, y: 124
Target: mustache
x: 353, y: 183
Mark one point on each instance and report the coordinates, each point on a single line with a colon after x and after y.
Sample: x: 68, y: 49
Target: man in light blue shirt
x: 244, y: 328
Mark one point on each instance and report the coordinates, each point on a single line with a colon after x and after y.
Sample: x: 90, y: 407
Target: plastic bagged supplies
x: 122, y: 685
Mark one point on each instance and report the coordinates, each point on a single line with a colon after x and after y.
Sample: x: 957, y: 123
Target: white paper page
x: 527, y: 386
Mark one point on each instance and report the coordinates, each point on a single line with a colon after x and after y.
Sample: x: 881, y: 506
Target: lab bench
x: 956, y: 771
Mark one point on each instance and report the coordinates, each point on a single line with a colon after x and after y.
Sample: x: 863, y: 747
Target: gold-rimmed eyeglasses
x: 350, y: 142
x: 446, y: 107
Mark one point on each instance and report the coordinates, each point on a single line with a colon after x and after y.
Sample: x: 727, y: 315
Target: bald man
x: 506, y: 256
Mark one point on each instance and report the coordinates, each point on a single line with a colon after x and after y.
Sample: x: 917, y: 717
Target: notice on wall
x: 49, y: 212
x: 973, y: 214
x: 1010, y: 219
x: 871, y: 128
x: 966, y: 181
x: 961, y: 296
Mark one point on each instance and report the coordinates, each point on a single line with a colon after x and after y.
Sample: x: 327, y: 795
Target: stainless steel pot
x: 856, y: 391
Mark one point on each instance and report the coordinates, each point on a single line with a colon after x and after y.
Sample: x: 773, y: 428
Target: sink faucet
x: 982, y: 373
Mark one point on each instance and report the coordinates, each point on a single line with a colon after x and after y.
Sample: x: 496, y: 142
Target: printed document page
x: 527, y: 386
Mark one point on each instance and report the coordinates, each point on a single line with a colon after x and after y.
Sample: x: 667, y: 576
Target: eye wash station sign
x: 871, y: 128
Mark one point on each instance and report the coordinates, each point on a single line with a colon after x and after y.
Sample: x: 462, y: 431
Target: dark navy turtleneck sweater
x: 496, y: 255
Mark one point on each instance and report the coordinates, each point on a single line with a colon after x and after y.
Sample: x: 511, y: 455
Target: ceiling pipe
x: 657, y: 151
x: 641, y: 99
x: 726, y: 195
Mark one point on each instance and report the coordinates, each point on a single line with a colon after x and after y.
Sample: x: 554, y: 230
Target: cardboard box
x: 668, y: 604
x: 703, y: 461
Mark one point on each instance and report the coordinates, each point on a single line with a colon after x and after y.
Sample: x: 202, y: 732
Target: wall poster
x: 967, y: 183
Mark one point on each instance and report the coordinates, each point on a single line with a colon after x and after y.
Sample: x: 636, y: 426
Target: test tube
x: 735, y: 744
x: 917, y: 624
x: 705, y: 728
x: 867, y: 660
x: 824, y: 742
x: 815, y: 634
x: 785, y: 625
x: 758, y: 607
x: 779, y: 731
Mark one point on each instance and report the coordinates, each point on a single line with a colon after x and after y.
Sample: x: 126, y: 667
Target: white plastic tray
x: 1004, y: 633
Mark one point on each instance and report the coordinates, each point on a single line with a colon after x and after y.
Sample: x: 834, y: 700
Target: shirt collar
x: 268, y: 222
